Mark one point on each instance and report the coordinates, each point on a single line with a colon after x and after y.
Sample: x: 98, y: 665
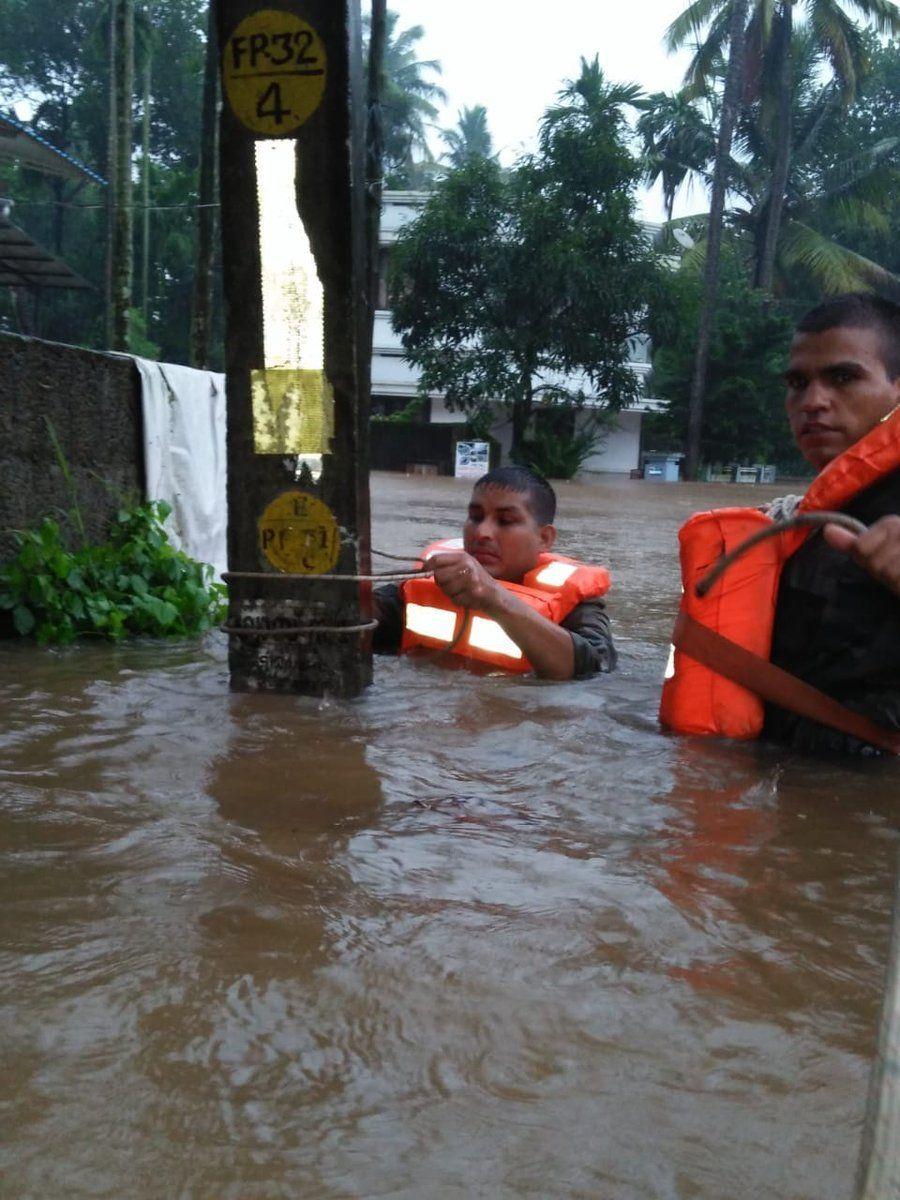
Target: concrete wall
x: 93, y: 402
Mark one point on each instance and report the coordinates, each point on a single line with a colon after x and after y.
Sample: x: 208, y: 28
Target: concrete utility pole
x: 292, y: 172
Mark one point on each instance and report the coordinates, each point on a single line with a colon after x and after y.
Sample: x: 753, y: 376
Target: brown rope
x: 813, y: 520
x: 296, y: 630
x: 398, y: 557
x: 378, y: 577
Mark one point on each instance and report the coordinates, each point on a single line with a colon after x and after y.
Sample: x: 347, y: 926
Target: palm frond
x: 833, y: 267
x: 861, y: 214
x: 883, y: 15
x: 708, y: 62
x: 840, y: 42
x: 865, y: 166
x: 689, y: 25
x: 811, y: 123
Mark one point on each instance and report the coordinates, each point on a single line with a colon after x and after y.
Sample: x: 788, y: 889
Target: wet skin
x: 839, y: 389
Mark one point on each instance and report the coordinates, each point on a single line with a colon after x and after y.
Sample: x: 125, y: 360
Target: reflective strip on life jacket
x: 741, y: 606
x: 554, y: 587
x: 555, y: 574
x: 437, y: 623
x: 488, y: 635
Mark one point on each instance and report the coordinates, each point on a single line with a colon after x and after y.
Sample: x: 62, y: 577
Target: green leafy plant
x: 134, y: 584
x: 412, y: 413
x: 559, y: 446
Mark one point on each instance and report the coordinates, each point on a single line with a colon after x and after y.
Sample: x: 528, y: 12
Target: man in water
x: 837, y: 620
x: 508, y: 529
x: 830, y: 611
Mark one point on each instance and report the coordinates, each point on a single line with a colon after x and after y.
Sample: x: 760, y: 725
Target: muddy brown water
x: 464, y: 937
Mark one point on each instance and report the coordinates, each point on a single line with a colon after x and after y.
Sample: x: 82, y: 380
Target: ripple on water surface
x: 465, y: 936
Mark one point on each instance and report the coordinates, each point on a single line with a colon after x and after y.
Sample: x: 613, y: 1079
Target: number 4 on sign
x: 272, y: 97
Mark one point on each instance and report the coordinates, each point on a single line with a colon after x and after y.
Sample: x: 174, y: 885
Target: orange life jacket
x: 554, y: 587
x: 741, y: 606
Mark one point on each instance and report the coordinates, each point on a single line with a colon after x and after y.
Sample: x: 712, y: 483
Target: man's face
x: 501, y: 533
x: 837, y: 390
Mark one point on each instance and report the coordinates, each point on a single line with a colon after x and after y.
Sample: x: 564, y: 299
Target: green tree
x: 469, y: 139
x: 408, y: 105
x: 59, y: 62
x: 678, y: 140
x: 727, y: 120
x: 121, y: 136
x: 838, y: 183
x: 744, y: 419
x: 866, y: 139
x: 770, y: 76
x: 207, y: 194
x: 511, y: 285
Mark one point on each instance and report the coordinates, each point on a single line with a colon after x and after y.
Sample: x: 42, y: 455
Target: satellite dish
x: 683, y: 239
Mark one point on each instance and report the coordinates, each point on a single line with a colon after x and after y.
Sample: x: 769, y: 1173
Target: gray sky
x: 512, y: 55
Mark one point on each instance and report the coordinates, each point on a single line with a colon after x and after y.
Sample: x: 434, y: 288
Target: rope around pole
x: 398, y: 557
x: 812, y: 520
x: 296, y: 630
x: 378, y: 577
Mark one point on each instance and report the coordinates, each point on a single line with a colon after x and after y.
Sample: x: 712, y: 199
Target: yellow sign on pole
x: 274, y: 72
x: 293, y: 411
x: 299, y: 535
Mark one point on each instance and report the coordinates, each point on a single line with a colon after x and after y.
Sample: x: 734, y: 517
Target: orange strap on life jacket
x: 775, y: 685
x: 554, y: 587
x: 696, y: 698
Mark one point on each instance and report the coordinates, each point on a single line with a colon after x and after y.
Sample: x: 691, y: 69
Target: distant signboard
x: 472, y: 459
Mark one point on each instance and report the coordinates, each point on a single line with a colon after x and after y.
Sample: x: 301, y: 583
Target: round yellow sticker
x: 274, y: 72
x: 299, y: 535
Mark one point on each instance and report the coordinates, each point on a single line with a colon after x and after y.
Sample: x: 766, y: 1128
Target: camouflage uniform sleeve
x: 589, y: 627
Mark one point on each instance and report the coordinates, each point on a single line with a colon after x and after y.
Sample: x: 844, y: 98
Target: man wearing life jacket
x: 500, y: 596
x: 822, y: 605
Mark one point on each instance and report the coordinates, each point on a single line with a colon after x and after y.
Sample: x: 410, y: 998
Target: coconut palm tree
x: 855, y: 187
x: 409, y: 101
x: 121, y: 250
x: 129, y: 32
x: 470, y: 139
x: 678, y: 141
x: 769, y: 70
x: 207, y: 189
x: 728, y: 114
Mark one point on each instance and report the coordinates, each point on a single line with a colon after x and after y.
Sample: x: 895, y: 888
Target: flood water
x: 464, y: 937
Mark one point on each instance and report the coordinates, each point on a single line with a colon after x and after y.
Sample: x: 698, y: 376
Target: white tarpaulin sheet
x: 184, y: 455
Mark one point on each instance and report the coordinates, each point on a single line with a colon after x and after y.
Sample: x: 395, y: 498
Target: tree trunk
x: 375, y: 144
x: 145, y: 183
x: 206, y: 214
x: 111, y: 168
x: 59, y: 191
x: 521, y: 415
x: 123, y: 226
x: 765, y: 265
x: 727, y: 122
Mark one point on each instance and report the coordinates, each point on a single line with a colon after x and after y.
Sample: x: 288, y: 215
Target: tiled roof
x: 23, y: 263
x: 20, y: 144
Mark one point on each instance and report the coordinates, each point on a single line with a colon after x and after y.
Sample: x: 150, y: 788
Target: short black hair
x: 860, y: 310
x: 541, y: 496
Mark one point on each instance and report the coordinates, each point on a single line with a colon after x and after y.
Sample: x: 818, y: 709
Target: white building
x: 395, y: 381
